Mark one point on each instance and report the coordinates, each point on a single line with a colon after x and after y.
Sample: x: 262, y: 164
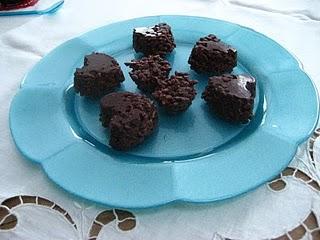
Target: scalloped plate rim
x: 181, y: 199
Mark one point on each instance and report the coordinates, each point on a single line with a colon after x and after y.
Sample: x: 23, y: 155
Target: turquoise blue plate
x: 193, y: 156
x: 50, y: 10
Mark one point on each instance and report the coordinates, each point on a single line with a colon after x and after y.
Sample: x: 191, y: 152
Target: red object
x: 23, y: 4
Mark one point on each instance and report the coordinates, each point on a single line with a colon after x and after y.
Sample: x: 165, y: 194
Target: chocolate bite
x: 130, y: 118
x: 100, y: 74
x: 11, y: 2
x: 176, y: 93
x: 6, y: 5
x: 210, y: 55
x: 147, y: 72
x: 231, y: 96
x: 155, y: 40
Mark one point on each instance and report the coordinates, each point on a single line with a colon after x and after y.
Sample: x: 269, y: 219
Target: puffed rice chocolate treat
x: 155, y: 40
x: 148, y: 72
x: 100, y: 75
x: 212, y: 56
x: 176, y: 93
x: 231, y: 96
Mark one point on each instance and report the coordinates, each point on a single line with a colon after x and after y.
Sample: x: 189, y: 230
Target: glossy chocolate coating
x: 231, y: 96
x: 155, y: 40
x: 100, y: 74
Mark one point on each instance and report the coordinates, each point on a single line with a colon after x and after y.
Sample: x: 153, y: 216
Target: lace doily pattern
x: 280, y: 182
x: 126, y: 221
x: 8, y: 220
x: 311, y: 144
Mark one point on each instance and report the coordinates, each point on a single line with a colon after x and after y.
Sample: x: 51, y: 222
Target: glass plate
x: 193, y: 156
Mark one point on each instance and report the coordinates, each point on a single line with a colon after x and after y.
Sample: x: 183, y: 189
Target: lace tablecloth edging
x: 125, y: 221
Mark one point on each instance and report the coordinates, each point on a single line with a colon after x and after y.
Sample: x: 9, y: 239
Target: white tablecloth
x: 34, y: 208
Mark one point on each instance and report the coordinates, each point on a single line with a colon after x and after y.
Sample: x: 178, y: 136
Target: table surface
x: 34, y: 208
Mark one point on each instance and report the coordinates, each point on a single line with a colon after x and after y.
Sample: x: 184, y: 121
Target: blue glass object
x: 193, y: 156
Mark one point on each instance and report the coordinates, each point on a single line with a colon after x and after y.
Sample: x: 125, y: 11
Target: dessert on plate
x: 155, y: 40
x: 231, y: 96
x: 100, y: 75
x: 212, y: 56
x: 148, y: 72
x: 130, y: 118
x: 176, y: 93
